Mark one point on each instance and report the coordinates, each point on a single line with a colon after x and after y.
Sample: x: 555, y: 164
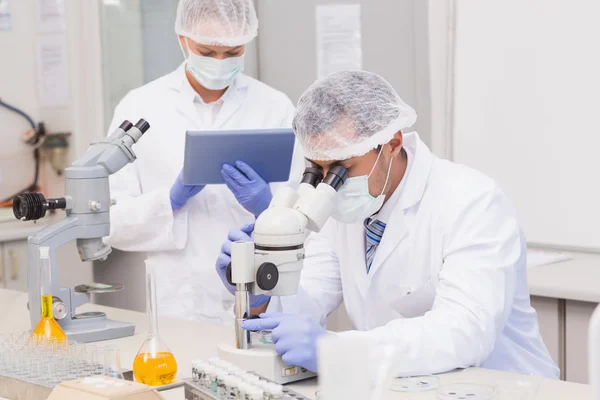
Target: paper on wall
x: 52, y: 66
x: 338, y: 39
x: 51, y: 16
x: 5, y: 16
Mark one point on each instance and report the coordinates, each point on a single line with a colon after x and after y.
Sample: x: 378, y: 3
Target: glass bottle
x: 154, y: 363
x: 112, y: 363
x: 47, y: 328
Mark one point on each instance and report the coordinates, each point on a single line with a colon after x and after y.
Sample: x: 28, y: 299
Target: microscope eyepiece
x: 312, y: 176
x: 33, y: 206
x: 126, y: 125
x: 142, y: 125
x: 336, y: 176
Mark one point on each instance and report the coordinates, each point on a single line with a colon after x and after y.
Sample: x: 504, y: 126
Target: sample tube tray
x: 193, y: 391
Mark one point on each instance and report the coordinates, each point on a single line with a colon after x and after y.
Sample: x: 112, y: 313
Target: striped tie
x: 374, y: 231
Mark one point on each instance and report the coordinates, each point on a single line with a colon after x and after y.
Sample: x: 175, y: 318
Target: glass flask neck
x: 45, y: 272
x: 151, y: 303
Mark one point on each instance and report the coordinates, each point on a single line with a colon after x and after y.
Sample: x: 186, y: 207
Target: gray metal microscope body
x: 87, y: 203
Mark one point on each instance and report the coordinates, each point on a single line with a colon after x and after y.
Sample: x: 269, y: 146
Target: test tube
x: 231, y: 387
x: 255, y: 393
x: 221, y: 374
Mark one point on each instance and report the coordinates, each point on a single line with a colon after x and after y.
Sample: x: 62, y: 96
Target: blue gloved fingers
x: 235, y: 235
x: 258, y: 300
x: 284, y: 345
x: 235, y: 174
x: 231, y: 183
x: 226, y: 248
x: 195, y: 190
x: 261, y: 324
x: 248, y: 171
x: 300, y: 357
x: 273, y: 315
x: 248, y: 228
x: 223, y: 261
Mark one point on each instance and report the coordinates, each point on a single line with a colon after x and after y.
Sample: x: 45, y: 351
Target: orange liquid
x: 48, y: 327
x: 155, y: 371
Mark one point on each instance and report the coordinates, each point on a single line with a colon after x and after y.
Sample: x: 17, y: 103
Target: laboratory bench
x: 190, y: 340
x: 565, y: 294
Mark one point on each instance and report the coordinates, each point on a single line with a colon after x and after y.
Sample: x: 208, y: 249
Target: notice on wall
x: 51, y: 16
x: 5, y: 16
x: 338, y: 39
x: 53, y: 75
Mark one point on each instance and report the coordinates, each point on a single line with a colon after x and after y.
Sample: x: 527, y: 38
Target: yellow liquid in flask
x: 48, y: 328
x: 156, y: 370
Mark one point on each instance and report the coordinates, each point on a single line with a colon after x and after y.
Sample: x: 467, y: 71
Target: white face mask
x: 211, y: 73
x: 354, y: 203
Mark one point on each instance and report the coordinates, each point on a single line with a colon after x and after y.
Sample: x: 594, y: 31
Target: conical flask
x: 47, y: 328
x: 154, y: 363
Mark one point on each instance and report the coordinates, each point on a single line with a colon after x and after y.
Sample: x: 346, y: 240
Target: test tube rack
x: 193, y: 391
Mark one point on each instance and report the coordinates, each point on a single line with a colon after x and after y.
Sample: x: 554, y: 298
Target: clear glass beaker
x: 154, y: 363
x: 112, y: 363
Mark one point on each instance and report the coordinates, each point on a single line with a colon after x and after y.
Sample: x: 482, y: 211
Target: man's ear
x: 396, y: 143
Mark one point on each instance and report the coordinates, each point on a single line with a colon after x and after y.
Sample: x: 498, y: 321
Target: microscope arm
x: 54, y: 236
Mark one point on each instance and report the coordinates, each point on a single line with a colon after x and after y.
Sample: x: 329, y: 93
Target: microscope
x: 272, y: 264
x: 87, y: 203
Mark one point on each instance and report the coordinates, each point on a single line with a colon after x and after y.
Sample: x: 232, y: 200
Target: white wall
x: 19, y: 87
x: 393, y: 39
x: 525, y: 111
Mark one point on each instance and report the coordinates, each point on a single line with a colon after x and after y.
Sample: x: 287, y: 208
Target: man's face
x: 363, y: 165
x: 218, y: 52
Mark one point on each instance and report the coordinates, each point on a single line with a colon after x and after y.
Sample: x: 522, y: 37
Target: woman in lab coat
x: 181, y: 226
x: 426, y: 254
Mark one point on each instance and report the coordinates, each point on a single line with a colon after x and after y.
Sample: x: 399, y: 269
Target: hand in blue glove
x: 237, y: 235
x: 181, y: 193
x: 250, y: 190
x: 295, y: 337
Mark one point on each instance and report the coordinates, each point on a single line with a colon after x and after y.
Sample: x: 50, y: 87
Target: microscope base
x: 264, y: 361
x: 89, y: 328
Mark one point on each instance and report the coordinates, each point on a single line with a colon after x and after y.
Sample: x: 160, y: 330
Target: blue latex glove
x: 181, y: 193
x: 250, y: 190
x: 237, y: 235
x: 295, y: 337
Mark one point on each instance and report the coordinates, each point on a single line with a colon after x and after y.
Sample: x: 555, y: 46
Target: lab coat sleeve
x: 474, y: 294
x: 320, y: 291
x: 142, y: 221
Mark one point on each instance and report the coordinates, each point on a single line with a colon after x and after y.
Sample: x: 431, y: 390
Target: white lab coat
x: 448, y: 285
x: 185, y: 244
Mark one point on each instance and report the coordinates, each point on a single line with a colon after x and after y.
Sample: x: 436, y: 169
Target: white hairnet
x: 217, y: 22
x: 348, y: 114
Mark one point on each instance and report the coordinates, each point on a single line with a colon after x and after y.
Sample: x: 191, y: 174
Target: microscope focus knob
x: 59, y: 309
x: 267, y: 276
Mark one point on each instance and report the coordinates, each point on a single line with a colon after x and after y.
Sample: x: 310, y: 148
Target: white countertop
x: 189, y: 340
x: 575, y: 279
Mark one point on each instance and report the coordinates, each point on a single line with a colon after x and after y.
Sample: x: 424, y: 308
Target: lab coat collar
x: 411, y: 193
x: 232, y: 98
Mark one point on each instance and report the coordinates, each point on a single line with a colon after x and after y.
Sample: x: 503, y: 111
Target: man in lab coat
x: 426, y: 254
x: 180, y: 226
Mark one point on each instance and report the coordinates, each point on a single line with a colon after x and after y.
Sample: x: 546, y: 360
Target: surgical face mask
x: 212, y: 73
x: 354, y: 203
